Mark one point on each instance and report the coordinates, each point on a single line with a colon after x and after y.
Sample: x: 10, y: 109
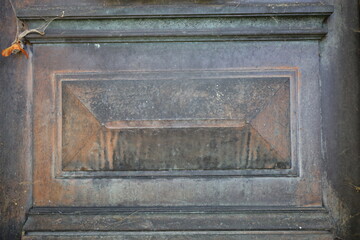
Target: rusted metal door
x: 195, y: 121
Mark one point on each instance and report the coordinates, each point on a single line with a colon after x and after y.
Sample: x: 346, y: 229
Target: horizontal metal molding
x: 208, y: 218
x: 197, y: 235
x: 171, y: 209
x: 119, y: 37
x: 150, y: 11
x: 120, y: 24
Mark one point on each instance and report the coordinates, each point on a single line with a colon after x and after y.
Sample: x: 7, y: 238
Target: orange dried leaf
x: 14, y: 49
x: 7, y: 52
x: 24, y: 52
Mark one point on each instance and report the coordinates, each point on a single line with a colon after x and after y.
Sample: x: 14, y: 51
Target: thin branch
x: 16, y: 19
x: 22, y: 31
x: 13, y: 8
x: 39, y: 30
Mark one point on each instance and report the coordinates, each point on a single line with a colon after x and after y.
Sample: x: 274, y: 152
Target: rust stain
x: 273, y: 122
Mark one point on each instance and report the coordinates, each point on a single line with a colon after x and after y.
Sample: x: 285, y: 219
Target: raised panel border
x: 291, y: 73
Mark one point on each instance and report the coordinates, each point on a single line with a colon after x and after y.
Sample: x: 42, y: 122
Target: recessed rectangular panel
x: 176, y: 124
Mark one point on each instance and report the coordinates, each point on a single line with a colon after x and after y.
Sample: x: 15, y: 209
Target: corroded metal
x: 192, y: 160
x: 211, y: 124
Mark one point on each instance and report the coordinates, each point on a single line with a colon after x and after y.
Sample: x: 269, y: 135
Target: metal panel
x: 226, y: 151
x: 197, y: 120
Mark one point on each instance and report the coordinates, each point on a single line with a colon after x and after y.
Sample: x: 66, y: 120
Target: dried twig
x: 22, y: 31
x: 39, y: 30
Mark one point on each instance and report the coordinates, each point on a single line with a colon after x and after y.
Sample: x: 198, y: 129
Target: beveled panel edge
x: 189, y: 36
x: 183, y: 123
x: 181, y: 173
x: 291, y: 73
x: 245, y: 31
x: 277, y: 72
x: 172, y: 209
x: 209, y: 218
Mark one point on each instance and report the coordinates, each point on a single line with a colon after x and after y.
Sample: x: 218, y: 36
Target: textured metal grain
x: 228, y: 235
x: 177, y: 35
x: 192, y: 106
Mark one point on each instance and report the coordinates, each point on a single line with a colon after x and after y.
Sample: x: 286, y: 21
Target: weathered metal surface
x: 165, y: 223
x: 181, y: 99
x: 208, y: 235
x: 177, y: 219
x: 109, y: 189
x: 300, y: 188
x: 218, y: 21
x: 340, y: 73
x: 181, y: 28
x: 200, y: 136
x: 159, y: 138
x: 15, y: 133
x: 175, y: 149
x: 297, y: 185
x: 190, y: 8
